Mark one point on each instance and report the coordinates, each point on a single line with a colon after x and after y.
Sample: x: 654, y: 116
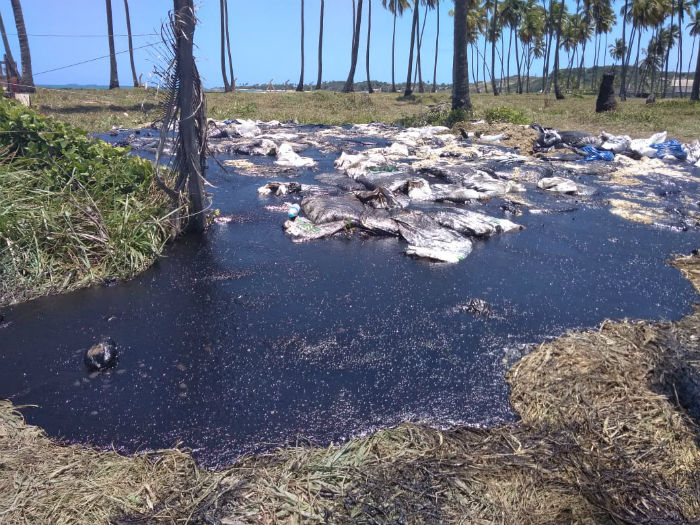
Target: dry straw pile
x: 600, y: 441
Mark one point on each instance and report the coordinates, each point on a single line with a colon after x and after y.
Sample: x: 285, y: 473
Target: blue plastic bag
x: 596, y: 154
x: 670, y: 148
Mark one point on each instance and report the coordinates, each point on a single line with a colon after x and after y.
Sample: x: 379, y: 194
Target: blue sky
x: 264, y: 38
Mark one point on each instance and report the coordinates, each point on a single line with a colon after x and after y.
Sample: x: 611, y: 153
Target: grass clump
x: 73, y: 210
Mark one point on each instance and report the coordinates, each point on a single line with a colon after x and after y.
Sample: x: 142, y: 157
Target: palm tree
x: 222, y: 12
x: 228, y: 48
x: 113, y: 78
x: 320, y: 47
x: 414, y: 29
x: 511, y: 14
x: 350, y: 82
x: 300, y: 85
x: 623, y: 74
x: 668, y: 38
x: 460, y: 65
x: 369, y: 29
x: 27, y: 84
x: 492, y: 34
x: 618, y: 50
x: 695, y: 93
x: 10, y: 65
x: 557, y: 92
x: 694, y: 29
x: 131, y: 46
x: 396, y: 7
x: 603, y: 19
x: 437, y: 37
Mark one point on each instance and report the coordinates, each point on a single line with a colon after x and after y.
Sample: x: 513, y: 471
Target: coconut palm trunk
x: 437, y: 36
x: 228, y: 48
x: 10, y: 64
x: 222, y: 23
x: 460, y: 65
x: 623, y: 71
x: 369, y: 30
x: 393, y: 56
x: 494, y: 22
x: 27, y: 84
x: 414, y: 29
x: 189, y: 158
x: 350, y: 82
x: 300, y: 85
x: 113, y: 78
x: 419, y: 67
x: 555, y: 74
x: 695, y: 93
x: 131, y: 45
x: 320, y: 47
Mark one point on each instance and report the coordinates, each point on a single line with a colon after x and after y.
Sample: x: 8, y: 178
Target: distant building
x: 685, y: 85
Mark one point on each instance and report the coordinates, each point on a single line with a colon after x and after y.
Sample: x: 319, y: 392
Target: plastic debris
x: 594, y: 153
x: 558, y: 184
x: 287, y: 157
x: 670, y: 149
x: 279, y: 188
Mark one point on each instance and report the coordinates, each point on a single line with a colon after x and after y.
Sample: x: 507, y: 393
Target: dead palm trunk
x: 300, y: 85
x: 131, y: 45
x: 113, y: 78
x: 222, y: 11
x: 460, y: 65
x: 320, y: 48
x: 350, y: 82
x: 437, y: 36
x: 414, y: 29
x: 25, y: 56
x: 10, y: 64
x: 228, y: 48
x: 369, y: 29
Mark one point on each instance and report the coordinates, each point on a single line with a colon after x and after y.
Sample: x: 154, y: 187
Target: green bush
x: 504, y: 114
x: 73, y: 210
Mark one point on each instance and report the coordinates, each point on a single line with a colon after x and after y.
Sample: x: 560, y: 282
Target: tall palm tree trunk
x: 494, y: 19
x: 27, y: 76
x: 393, y: 47
x: 557, y: 92
x: 320, y: 47
x: 460, y: 65
x: 692, y: 52
x: 350, y: 82
x: 483, y: 65
x: 666, y: 60
x: 623, y: 73
x: 222, y: 23
x: 190, y: 150
x: 369, y: 30
x: 437, y: 36
x: 131, y: 45
x: 113, y: 78
x: 228, y: 48
x: 510, y: 45
x: 580, y: 67
x: 10, y: 64
x: 300, y: 85
x: 518, y: 62
x: 419, y: 68
x: 414, y: 29
x: 695, y: 93
x: 636, y: 63
x: 679, y: 61
x: 475, y: 74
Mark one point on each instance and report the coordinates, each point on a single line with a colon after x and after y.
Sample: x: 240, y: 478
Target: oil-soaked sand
x: 242, y: 339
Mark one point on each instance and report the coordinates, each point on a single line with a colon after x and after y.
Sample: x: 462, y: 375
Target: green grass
x: 99, y: 110
x: 73, y: 211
